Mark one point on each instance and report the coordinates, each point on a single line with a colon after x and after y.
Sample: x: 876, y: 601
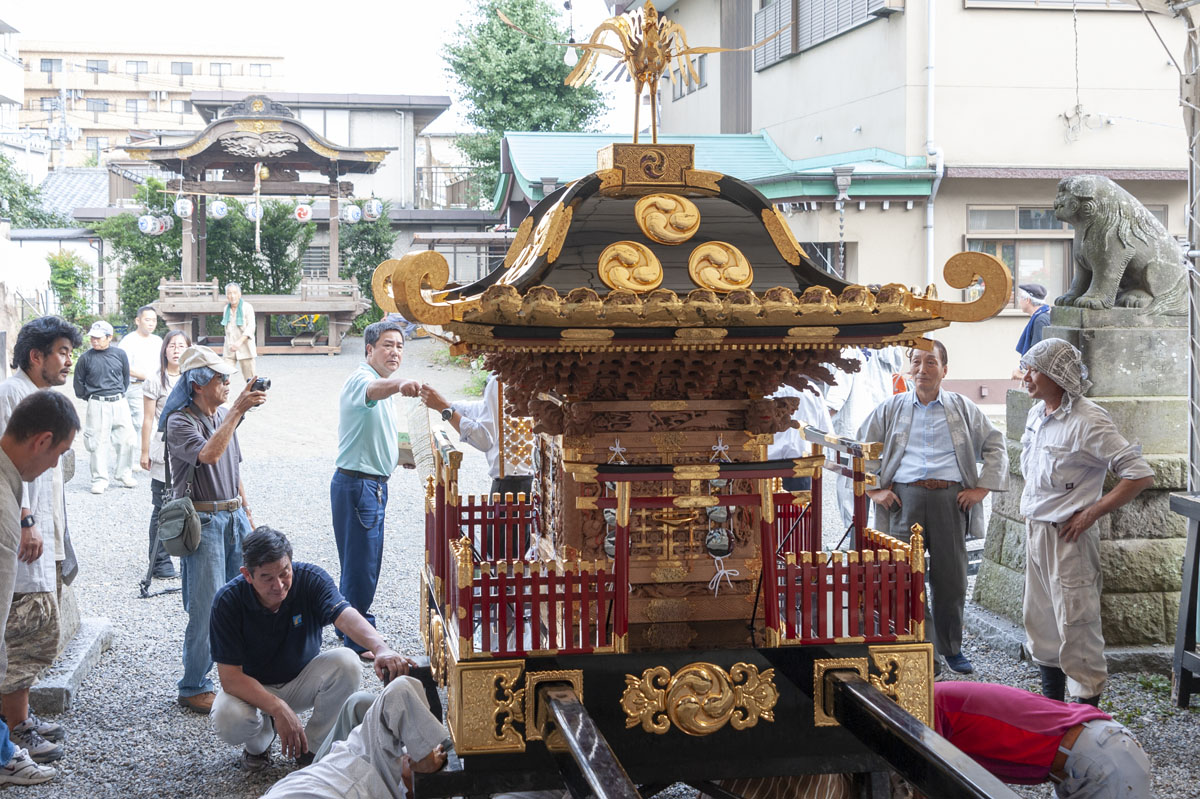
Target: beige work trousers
x: 246, y: 365
x: 107, y: 424
x: 1062, y: 605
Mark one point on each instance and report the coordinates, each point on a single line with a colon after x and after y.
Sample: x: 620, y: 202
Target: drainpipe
x: 931, y: 147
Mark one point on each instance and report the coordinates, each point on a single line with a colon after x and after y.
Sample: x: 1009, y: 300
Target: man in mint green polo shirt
x: 367, y: 452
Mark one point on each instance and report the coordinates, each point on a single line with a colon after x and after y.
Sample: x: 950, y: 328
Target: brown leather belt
x: 213, y: 507
x: 932, y: 485
x: 1060, y: 757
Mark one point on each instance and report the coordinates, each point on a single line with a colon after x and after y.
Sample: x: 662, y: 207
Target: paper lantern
x: 254, y: 212
x: 146, y: 224
x: 351, y: 214
x: 303, y: 213
x: 218, y: 209
x: 167, y: 221
x: 183, y: 208
x: 372, y: 209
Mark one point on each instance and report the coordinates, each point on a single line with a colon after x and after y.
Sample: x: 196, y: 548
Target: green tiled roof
x: 752, y: 157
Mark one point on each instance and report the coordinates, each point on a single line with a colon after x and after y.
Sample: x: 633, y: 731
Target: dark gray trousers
x: 945, y: 526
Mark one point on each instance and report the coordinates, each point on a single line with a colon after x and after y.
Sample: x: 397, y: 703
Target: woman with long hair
x: 154, y: 396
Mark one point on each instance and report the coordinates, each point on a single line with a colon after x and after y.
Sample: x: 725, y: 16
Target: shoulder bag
x: 178, y: 521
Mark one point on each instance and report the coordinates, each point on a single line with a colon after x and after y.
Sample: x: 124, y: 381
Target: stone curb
x: 1009, y: 638
x: 53, y: 691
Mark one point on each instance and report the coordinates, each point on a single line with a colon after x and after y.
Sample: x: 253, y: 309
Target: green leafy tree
x: 24, y: 200
x: 71, y: 282
x: 512, y: 82
x: 364, y: 246
x: 231, y: 255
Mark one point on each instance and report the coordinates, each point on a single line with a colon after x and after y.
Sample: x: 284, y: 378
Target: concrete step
x: 53, y: 691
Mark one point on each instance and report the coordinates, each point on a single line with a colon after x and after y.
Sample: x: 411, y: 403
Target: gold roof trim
x: 417, y: 281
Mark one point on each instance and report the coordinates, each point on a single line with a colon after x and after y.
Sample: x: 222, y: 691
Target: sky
x: 343, y: 47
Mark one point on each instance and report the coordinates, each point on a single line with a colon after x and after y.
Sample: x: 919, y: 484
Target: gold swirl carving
x: 906, y: 675
x: 631, y: 266
x: 509, y: 710
x: 381, y: 287
x: 720, y: 267
x: 667, y: 218
x: 409, y: 278
x: 961, y: 271
x: 436, y: 647
x: 699, y: 699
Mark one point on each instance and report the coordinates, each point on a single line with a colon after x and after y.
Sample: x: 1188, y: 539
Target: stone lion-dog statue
x: 1123, y: 255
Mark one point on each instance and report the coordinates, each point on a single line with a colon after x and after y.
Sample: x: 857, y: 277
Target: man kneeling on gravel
x: 265, y: 633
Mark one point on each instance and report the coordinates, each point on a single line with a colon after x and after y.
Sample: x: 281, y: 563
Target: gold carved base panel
x: 903, y: 672
x: 700, y: 698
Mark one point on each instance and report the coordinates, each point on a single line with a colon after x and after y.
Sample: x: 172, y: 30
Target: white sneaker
x: 21, y: 770
x: 127, y: 481
x: 98, y: 486
x: 40, y: 750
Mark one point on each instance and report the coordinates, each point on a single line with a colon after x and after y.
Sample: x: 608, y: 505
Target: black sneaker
x: 959, y: 663
x: 253, y: 764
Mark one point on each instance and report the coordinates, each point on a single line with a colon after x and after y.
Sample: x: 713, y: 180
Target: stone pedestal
x: 1138, y: 367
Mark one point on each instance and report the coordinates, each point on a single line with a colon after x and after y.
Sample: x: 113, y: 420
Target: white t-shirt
x: 143, y: 352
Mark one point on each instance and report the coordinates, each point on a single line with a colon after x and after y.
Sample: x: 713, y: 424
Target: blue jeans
x: 7, y: 749
x: 215, y: 562
x: 358, y: 509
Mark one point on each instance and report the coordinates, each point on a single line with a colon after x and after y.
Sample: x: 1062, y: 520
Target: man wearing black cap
x: 1031, y: 299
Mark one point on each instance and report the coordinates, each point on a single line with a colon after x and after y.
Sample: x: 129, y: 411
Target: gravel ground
x: 129, y: 738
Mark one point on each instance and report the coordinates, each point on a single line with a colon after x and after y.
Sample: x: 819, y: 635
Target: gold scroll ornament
x: 667, y: 218
x: 720, y: 267
x: 631, y: 266
x: 699, y: 699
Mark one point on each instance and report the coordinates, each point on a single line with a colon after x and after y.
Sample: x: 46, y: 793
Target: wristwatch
x: 28, y: 522
x: 447, y: 413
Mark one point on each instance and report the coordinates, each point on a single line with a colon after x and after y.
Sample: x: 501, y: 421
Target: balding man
x: 1068, y: 446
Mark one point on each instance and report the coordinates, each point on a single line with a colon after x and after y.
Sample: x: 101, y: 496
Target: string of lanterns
x: 183, y: 207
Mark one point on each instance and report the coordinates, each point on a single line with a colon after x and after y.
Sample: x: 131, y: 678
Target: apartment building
x: 999, y: 98
x: 93, y: 99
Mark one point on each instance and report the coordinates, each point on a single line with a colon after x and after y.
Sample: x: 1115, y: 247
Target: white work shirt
x: 930, y: 451
x: 143, y: 353
x: 38, y: 496
x: 812, y: 411
x: 477, y: 427
x: 1064, y: 457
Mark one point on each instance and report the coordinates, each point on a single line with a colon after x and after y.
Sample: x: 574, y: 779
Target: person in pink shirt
x: 1026, y: 738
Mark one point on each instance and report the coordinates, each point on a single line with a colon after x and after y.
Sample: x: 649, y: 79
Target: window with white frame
x: 51, y: 65
x: 260, y: 70
x: 137, y: 67
x: 1033, y: 243
x: 181, y: 106
x: 97, y: 65
x: 220, y: 68
x: 49, y: 103
x: 181, y: 67
x: 95, y: 104
x: 96, y: 143
x: 137, y: 106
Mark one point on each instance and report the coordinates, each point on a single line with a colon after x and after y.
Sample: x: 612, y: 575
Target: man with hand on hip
x: 102, y: 378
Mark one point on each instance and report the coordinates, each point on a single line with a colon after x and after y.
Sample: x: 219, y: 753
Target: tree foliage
x: 231, y: 256
x: 71, y: 282
x: 364, y: 246
x: 24, y: 200
x: 510, y: 82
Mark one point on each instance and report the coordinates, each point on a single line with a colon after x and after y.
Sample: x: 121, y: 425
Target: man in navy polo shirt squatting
x: 266, y: 640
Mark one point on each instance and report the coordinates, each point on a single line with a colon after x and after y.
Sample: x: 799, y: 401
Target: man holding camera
x: 204, y: 460
x: 368, y: 448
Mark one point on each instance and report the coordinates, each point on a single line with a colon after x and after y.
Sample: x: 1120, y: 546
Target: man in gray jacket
x: 933, y: 443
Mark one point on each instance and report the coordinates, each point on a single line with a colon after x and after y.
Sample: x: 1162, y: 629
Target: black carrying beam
x: 589, y: 767
x: 1187, y: 661
x: 919, y: 754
